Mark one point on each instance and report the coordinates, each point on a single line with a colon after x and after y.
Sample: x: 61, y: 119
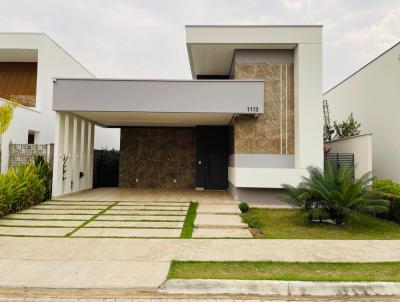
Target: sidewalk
x: 142, y: 264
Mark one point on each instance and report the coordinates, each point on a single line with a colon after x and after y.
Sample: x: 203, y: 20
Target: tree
x: 347, y: 128
x: 6, y: 115
x: 328, y: 130
x: 333, y: 193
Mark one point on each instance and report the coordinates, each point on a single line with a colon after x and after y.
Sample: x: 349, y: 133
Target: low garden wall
x: 21, y: 154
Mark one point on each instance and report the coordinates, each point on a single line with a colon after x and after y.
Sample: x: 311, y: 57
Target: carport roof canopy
x: 183, y: 103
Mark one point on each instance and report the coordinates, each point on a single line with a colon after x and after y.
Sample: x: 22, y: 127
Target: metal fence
x: 106, y: 168
x: 341, y: 159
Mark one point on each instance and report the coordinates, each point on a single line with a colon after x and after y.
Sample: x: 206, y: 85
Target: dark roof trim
x: 358, y: 70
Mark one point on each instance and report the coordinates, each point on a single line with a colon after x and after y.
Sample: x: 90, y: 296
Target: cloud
x: 377, y: 36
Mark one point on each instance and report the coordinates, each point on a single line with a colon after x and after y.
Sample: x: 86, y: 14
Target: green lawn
x: 309, y: 271
x: 291, y: 224
x: 187, y: 229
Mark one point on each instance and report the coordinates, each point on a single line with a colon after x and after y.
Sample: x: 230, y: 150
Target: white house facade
x: 28, y: 64
x: 249, y: 120
x: 373, y: 94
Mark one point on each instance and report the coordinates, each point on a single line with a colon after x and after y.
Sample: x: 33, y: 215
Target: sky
x: 146, y: 39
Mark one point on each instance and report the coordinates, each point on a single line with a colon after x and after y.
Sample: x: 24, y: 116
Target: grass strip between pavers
x: 188, y: 224
x: 288, y: 271
x: 91, y: 219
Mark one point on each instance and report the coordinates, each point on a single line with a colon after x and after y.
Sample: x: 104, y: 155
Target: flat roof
x: 211, y: 47
x: 46, y: 36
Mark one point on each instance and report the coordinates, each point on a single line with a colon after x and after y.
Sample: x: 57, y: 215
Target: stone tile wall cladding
x: 273, y: 131
x: 20, y: 154
x: 155, y: 157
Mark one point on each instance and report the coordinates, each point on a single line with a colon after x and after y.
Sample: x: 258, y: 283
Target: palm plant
x: 333, y: 193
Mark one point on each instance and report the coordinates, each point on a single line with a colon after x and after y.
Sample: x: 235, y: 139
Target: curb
x: 282, y: 288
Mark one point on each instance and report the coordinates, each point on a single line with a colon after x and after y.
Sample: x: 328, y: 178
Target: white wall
x: 264, y: 177
x: 52, y: 61
x: 373, y: 95
x: 360, y: 146
x: 308, y: 116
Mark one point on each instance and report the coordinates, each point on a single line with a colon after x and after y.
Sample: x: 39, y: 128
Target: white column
x: 84, y: 154
x: 58, y: 154
x: 91, y: 157
x: 308, y: 113
x: 69, y: 128
x: 76, y: 147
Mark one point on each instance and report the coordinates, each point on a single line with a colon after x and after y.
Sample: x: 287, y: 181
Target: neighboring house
x: 249, y: 121
x: 28, y: 64
x: 353, y: 151
x: 373, y: 94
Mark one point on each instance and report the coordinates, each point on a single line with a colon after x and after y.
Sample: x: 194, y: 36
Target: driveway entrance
x: 98, y: 219
x: 120, y: 213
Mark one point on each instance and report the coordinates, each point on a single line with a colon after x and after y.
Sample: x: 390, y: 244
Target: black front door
x: 212, y: 158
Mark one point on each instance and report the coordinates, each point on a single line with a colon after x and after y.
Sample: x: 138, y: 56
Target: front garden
x: 292, y: 224
x: 331, y: 204
x: 25, y: 186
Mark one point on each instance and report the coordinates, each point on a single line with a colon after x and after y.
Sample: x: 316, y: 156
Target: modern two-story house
x: 372, y: 93
x: 28, y: 64
x: 249, y: 120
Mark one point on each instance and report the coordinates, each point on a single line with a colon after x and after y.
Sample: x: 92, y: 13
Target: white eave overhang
x: 117, y: 103
x: 211, y: 48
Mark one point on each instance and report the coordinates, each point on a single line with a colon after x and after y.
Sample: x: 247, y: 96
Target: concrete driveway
x: 127, y: 219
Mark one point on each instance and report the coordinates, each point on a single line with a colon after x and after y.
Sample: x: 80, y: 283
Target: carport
x: 201, y: 161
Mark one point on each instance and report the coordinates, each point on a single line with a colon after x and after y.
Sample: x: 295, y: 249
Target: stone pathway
x: 128, y: 219
x: 220, y: 220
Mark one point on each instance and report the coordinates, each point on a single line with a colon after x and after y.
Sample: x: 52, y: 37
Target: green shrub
x: 387, y: 186
x: 24, y: 186
x: 389, y: 190
x: 244, y: 207
x: 334, y: 193
x: 45, y: 172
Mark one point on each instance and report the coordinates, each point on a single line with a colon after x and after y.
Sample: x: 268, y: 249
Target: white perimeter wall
x: 360, y: 146
x: 53, y: 61
x: 373, y: 95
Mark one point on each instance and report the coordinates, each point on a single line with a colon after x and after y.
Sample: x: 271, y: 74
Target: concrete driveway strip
x: 104, y: 249
x: 141, y: 275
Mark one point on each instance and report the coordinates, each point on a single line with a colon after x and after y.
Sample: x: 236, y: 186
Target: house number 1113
x: 252, y: 109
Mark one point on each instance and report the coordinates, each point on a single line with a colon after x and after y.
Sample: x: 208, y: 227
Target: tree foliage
x: 349, y: 127
x: 6, y: 115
